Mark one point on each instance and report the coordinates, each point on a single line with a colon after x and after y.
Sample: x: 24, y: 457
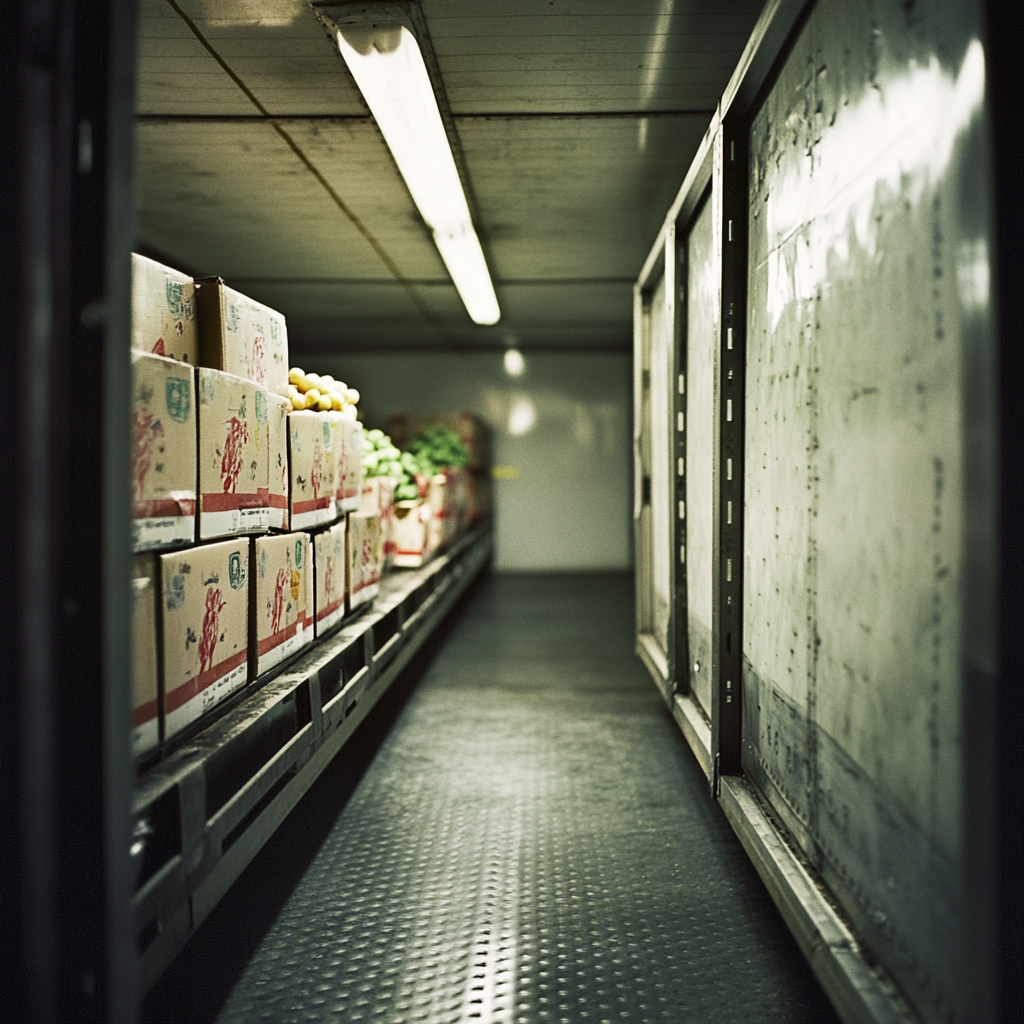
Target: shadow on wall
x: 561, y: 442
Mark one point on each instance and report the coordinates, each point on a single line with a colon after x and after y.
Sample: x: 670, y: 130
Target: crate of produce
x: 329, y: 568
x: 281, y: 620
x: 241, y: 336
x: 365, y: 558
x: 205, y: 628
x: 145, y: 656
x: 472, y: 431
x: 233, y: 463
x: 163, y: 453
x: 163, y: 311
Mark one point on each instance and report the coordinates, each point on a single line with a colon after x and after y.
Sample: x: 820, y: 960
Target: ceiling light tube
x: 389, y: 70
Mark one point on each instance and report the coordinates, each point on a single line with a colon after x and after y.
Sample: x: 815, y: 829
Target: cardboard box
x: 277, y: 460
x: 163, y: 311
x: 233, y: 463
x: 378, y: 497
x: 349, y: 473
x: 311, y: 467
x: 329, y: 569
x: 365, y: 556
x: 280, y: 620
x: 145, y: 664
x: 472, y: 430
x: 309, y: 578
x: 163, y: 453
x: 241, y: 336
x: 415, y: 538
x: 205, y: 628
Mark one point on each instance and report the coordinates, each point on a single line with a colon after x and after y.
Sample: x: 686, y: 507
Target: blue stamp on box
x: 236, y: 571
x: 175, y: 596
x: 298, y: 554
x: 261, y: 407
x: 178, y: 395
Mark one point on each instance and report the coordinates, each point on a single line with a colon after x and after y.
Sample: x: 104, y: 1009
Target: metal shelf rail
x: 202, y: 814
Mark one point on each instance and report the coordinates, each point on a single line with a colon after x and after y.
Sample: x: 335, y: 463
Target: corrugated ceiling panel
x: 576, y: 198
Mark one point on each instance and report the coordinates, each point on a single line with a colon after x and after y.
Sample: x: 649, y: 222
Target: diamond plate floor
x: 520, y: 836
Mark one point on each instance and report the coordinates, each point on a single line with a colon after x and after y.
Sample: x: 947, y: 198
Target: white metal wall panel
x: 702, y: 306
x: 868, y: 305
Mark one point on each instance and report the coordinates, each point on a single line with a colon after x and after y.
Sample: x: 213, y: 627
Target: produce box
x: 415, y: 538
x: 311, y: 466
x: 329, y: 569
x: 277, y: 460
x: 163, y: 453
x: 233, y: 464
x: 241, y: 336
x: 280, y: 621
x: 205, y: 634
x: 145, y: 666
x: 163, y: 311
x: 350, y: 462
x: 365, y: 558
x: 474, y: 433
x: 378, y: 497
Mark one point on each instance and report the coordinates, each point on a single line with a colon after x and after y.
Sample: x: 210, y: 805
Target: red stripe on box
x: 184, y: 693
x: 144, y: 713
x: 298, y: 507
x: 163, y: 507
x: 278, y: 638
x: 277, y: 501
x: 230, y: 502
x: 332, y: 607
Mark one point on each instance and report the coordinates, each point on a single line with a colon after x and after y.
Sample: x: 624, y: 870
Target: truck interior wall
x: 871, y: 465
x: 561, y: 442
x: 661, y: 491
x: 701, y: 340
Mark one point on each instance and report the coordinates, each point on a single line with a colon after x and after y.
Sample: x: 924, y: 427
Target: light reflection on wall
x: 914, y: 122
x: 563, y: 426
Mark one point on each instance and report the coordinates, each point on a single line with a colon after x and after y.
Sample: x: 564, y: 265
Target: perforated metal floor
x: 521, y: 836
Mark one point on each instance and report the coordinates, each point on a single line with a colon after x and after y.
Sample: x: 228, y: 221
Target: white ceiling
x: 571, y: 179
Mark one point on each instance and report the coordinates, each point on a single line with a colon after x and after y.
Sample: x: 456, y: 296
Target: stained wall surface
x: 702, y: 303
x: 869, y: 462
x: 563, y: 426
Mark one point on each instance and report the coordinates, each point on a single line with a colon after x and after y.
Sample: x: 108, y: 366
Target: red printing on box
x: 332, y: 607
x: 162, y: 508
x: 280, y: 636
x: 144, y: 713
x: 229, y: 502
x: 184, y: 693
x: 298, y: 507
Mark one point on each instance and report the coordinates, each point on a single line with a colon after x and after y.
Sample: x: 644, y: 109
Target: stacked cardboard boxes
x: 224, y: 464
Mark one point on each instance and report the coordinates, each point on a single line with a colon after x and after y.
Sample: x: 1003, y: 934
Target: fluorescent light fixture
x: 388, y: 68
x: 514, y: 362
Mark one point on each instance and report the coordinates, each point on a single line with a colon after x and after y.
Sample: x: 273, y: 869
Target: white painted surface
x: 563, y: 424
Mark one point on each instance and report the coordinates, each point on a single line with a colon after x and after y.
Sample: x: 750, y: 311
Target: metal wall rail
x: 205, y: 812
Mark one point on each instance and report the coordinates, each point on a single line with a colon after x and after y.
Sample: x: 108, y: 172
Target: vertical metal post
x: 64, y: 735
x: 995, y: 827
x: 729, y: 195
x: 680, y: 678
x: 674, y: 567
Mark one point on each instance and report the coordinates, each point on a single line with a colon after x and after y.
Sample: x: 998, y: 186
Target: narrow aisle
x: 531, y: 842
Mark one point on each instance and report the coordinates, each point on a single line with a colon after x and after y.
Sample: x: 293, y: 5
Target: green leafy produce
x: 382, y: 458
x: 439, y: 448
x: 435, y: 449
